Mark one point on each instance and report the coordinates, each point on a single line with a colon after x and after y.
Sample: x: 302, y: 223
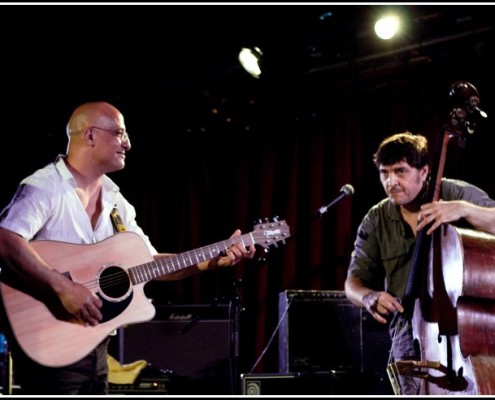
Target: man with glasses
x: 72, y: 200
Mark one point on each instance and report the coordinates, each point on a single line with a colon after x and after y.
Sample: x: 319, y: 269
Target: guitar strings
x: 147, y: 271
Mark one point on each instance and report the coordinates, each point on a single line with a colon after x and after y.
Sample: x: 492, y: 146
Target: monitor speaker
x: 298, y: 384
x: 322, y: 330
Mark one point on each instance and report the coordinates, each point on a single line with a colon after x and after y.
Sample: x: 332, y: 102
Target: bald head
x: 87, y: 115
x: 90, y: 114
x: 91, y: 148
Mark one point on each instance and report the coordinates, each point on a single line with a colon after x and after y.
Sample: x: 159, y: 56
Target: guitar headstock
x: 270, y: 233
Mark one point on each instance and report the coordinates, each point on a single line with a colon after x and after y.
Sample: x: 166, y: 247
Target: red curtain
x: 287, y: 157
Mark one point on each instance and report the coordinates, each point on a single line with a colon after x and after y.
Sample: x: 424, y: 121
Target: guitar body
x: 49, y: 335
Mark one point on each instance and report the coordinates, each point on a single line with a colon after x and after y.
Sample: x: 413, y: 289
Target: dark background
x: 282, y: 145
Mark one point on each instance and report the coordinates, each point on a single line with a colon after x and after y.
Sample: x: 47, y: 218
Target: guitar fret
x: 164, y: 265
x: 170, y: 266
x: 132, y: 276
x: 142, y: 273
x: 167, y: 265
x: 212, y: 251
x: 135, y: 273
x: 184, y: 262
x: 145, y: 272
x: 176, y: 263
x: 148, y: 272
x: 155, y: 272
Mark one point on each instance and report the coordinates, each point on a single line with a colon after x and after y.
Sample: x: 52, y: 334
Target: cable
x: 272, y: 336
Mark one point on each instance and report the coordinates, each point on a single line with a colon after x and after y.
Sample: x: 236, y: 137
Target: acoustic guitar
x: 116, y: 270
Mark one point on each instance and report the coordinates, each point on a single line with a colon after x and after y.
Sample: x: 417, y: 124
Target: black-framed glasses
x: 121, y: 133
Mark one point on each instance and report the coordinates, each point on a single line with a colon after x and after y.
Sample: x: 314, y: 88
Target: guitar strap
x: 118, y: 224
x: 117, y: 221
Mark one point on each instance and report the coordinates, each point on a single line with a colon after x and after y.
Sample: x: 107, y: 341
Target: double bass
x: 450, y: 292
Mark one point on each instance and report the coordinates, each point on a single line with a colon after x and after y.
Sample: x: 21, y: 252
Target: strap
x: 117, y: 221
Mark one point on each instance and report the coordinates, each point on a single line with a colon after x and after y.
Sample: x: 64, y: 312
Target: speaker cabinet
x: 191, y: 342
x: 336, y: 383
x: 323, y: 331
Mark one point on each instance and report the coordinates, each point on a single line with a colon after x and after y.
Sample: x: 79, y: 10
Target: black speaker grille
x: 324, y: 331
x: 319, y: 331
x: 191, y: 342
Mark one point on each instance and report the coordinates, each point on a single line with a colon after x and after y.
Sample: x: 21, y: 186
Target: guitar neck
x: 167, y: 265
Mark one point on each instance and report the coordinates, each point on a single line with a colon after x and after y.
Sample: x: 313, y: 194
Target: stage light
x: 250, y: 59
x: 387, y: 27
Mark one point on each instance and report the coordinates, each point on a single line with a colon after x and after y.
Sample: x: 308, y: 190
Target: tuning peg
x: 275, y: 219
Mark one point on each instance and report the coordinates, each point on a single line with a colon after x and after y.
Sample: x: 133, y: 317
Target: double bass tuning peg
x: 465, y: 101
x: 464, y: 94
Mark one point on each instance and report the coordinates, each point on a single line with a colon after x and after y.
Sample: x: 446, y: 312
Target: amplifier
x: 143, y: 387
x: 321, y: 330
x: 336, y: 383
x: 190, y: 342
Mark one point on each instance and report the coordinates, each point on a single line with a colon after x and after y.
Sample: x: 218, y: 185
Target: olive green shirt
x: 385, y: 242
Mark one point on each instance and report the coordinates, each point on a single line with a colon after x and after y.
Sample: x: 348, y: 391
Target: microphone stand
x: 235, y: 309
x: 346, y: 191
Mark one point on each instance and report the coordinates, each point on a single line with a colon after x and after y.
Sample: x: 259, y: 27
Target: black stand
x: 235, y: 310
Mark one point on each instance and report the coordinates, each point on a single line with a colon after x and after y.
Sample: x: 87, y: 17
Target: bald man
x: 72, y: 200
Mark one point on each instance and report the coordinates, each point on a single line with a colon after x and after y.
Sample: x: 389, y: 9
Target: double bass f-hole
x: 428, y: 301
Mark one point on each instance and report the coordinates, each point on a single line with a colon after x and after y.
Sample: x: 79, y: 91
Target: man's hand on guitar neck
x: 233, y: 255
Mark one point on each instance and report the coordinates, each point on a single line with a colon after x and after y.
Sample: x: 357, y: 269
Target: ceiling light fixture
x: 250, y: 59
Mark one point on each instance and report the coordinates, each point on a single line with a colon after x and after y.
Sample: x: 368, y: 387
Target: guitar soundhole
x: 114, y: 283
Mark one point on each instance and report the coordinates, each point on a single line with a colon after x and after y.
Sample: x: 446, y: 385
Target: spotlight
x: 250, y: 59
x: 387, y: 27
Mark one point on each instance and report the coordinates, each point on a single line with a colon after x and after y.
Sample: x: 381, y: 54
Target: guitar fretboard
x: 163, y: 266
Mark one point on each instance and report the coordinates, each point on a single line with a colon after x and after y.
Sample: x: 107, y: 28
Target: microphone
x: 345, y: 191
